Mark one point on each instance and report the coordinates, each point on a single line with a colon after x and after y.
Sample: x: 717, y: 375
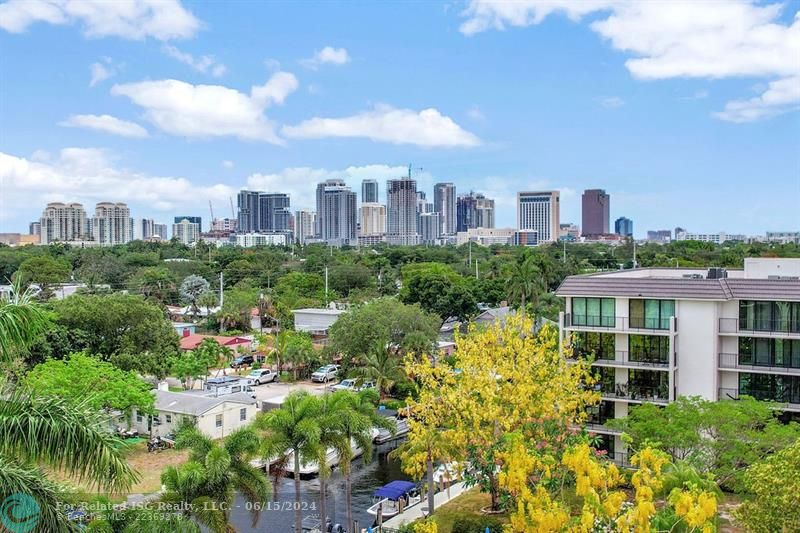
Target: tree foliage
x: 86, y: 379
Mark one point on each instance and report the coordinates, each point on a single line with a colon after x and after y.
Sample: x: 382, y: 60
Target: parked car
x: 346, y: 384
x: 262, y: 375
x: 242, y: 360
x: 325, y: 373
x: 366, y: 385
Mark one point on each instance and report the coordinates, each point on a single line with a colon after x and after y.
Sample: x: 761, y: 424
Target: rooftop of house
x: 761, y: 279
x: 190, y: 404
x: 193, y: 340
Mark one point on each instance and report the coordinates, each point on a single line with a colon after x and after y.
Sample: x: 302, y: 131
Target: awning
x: 395, y: 489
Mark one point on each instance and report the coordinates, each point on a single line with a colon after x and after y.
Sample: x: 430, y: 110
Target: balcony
x: 793, y: 403
x: 617, y: 323
x: 634, y: 393
x: 761, y: 328
x: 626, y: 360
x: 598, y: 427
x: 733, y: 361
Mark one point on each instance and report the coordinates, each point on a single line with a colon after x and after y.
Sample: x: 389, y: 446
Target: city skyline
x: 499, y: 109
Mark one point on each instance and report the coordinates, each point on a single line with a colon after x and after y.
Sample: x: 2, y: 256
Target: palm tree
x: 67, y: 437
x: 214, y: 472
x: 382, y: 367
x: 208, y: 300
x: 331, y: 437
x: 434, y: 445
x: 141, y: 518
x: 293, y: 429
x: 524, y: 282
x: 356, y: 416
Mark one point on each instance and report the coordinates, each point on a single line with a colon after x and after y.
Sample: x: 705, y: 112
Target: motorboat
x: 311, y: 468
x: 393, y: 498
x: 447, y: 473
x: 384, y: 435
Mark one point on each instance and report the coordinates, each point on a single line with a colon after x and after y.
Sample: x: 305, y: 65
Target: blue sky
x: 686, y: 113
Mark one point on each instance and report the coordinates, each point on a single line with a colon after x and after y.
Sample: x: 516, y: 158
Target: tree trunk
x: 430, y: 486
x: 349, y: 490
x: 298, y: 519
x: 494, y: 492
x: 322, y: 502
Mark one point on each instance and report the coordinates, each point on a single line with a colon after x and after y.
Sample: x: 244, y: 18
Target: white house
x: 315, y: 321
x: 214, y: 417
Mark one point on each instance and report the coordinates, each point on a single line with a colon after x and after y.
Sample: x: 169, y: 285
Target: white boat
x: 394, y: 498
x: 331, y: 459
x: 384, y: 435
x: 447, y: 473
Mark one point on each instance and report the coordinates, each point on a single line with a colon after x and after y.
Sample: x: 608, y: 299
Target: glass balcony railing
x: 633, y: 391
x: 734, y: 325
x: 748, y: 362
x: 617, y: 322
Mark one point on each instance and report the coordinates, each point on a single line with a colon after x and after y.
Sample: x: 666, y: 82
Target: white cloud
x: 679, y: 40
x: 328, y: 55
x: 183, y: 109
x: 206, y: 64
x: 129, y: 19
x: 99, y: 73
x: 611, y: 102
x: 781, y: 96
x: 427, y: 128
x: 227, y: 164
x: 106, y: 123
x: 89, y: 175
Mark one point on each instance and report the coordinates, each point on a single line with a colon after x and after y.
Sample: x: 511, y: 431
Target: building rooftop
x: 320, y: 311
x: 190, y: 404
x: 766, y: 279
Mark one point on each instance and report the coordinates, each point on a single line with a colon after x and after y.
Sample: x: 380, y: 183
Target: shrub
x: 476, y: 524
x: 404, y: 389
x: 393, y: 404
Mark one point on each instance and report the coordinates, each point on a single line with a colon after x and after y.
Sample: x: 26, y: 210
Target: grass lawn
x: 469, y: 503
x: 149, y: 466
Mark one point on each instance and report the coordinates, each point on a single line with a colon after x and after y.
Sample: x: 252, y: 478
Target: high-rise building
x: 160, y: 231
x: 186, y: 231
x: 224, y: 225
x: 444, y: 203
x: 401, y: 212
x: 304, y: 225
x: 657, y: 334
x: 623, y: 226
x: 660, y: 235
x: 539, y: 211
x: 35, y: 228
x: 63, y: 223
x: 372, y: 219
x: 430, y: 228
x: 337, y: 216
x: 274, y: 212
x: 248, y: 218
x: 193, y: 220
x: 595, y: 210
x: 143, y: 229
x: 111, y: 224
x: 474, y: 210
x: 369, y: 192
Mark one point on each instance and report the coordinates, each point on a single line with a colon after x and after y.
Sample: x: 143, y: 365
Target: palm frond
x: 66, y: 436
x: 21, y: 322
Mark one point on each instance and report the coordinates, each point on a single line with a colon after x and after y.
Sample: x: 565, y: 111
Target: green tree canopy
x: 83, y: 378
x: 384, y: 321
x: 44, y: 271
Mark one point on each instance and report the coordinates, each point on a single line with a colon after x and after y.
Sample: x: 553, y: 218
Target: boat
x: 384, y: 435
x: 331, y: 459
x: 393, y: 498
x: 447, y: 473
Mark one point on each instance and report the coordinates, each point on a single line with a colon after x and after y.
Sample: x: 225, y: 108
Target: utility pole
x: 470, y: 252
x: 476, y: 268
x: 564, y: 259
x: 326, y: 286
x: 634, y: 254
x: 221, y: 291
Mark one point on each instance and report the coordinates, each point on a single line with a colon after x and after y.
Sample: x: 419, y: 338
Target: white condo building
x: 372, y: 219
x: 304, y: 225
x: 539, y: 211
x: 186, y: 232
x: 112, y: 224
x: 62, y: 222
x: 248, y: 240
x: 657, y: 334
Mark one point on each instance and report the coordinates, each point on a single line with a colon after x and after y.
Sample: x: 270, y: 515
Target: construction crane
x: 418, y: 169
x: 211, y: 208
x: 233, y: 215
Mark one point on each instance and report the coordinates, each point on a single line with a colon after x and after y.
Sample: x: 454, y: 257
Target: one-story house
x: 214, y: 417
x: 190, y: 341
x: 182, y: 327
x: 317, y: 321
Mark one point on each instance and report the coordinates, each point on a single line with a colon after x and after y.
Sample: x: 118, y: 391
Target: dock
x: 420, y: 510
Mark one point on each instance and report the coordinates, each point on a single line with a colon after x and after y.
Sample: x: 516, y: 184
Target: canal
x: 278, y: 517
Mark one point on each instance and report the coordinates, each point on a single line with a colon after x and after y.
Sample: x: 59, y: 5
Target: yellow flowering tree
x: 507, y: 380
